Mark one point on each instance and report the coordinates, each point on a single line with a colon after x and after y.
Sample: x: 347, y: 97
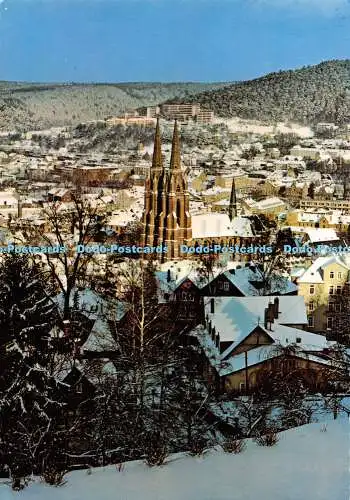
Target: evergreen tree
x: 27, y: 408
x: 311, y: 190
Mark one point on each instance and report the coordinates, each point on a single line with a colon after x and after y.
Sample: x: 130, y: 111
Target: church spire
x: 232, y: 211
x: 175, y: 160
x: 157, y: 161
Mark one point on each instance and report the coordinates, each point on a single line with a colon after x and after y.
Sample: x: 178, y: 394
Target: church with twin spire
x: 166, y: 217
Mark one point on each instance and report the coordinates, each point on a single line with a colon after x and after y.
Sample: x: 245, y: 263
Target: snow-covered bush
x: 270, y: 438
x: 234, y: 445
x: 54, y: 477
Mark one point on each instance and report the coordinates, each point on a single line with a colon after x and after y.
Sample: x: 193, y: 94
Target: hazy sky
x: 167, y: 40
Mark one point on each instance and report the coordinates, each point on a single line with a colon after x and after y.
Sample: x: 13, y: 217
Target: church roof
x: 215, y: 225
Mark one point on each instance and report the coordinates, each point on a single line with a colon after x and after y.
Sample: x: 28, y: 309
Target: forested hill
x: 33, y: 106
x: 307, y: 95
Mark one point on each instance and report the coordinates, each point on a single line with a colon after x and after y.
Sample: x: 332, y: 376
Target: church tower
x: 178, y: 221
x: 232, y: 211
x: 166, y: 217
x: 154, y: 194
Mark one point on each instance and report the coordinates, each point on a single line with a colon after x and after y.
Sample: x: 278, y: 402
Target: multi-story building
x: 186, y: 112
x: 205, y: 116
x: 322, y: 219
x: 131, y: 119
x: 271, y: 207
x: 321, y: 285
x: 243, y: 338
x: 343, y: 205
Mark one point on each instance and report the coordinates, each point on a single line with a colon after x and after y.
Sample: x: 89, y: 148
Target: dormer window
x: 331, y: 274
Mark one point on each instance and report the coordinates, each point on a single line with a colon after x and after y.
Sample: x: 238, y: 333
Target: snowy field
x: 306, y: 464
x: 254, y: 127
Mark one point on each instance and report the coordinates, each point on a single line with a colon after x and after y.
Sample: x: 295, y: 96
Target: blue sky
x: 167, y: 40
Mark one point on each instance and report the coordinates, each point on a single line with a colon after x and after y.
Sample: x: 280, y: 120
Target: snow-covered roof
x: 213, y: 225
x: 266, y: 204
x: 314, y: 274
x: 244, y: 280
x: 100, y: 338
x: 93, y: 305
x: 309, y: 345
x: 236, y: 317
x: 259, y: 355
x: 317, y: 235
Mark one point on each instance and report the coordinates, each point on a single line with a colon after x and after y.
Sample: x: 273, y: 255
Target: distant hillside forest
x: 308, y: 95
x: 36, y: 106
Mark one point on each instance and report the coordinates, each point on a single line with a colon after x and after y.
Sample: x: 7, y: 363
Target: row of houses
x: 239, y: 333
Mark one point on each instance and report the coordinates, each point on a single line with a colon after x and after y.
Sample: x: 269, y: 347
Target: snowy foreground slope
x: 306, y: 464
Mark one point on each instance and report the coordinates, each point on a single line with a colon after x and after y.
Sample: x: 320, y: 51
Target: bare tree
x: 272, y: 266
x: 70, y: 228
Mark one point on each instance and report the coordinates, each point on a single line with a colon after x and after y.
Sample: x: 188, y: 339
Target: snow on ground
x: 306, y: 464
x: 254, y: 127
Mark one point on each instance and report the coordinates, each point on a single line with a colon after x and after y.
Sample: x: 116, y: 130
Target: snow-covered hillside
x: 306, y: 464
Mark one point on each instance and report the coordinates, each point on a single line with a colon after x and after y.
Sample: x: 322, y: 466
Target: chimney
x: 269, y: 316
x: 276, y: 305
x: 217, y: 341
x: 212, y: 305
x: 266, y: 317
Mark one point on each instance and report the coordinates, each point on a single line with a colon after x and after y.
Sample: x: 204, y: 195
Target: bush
x: 234, y: 445
x: 156, y: 454
x: 54, y: 477
x: 19, y: 483
x: 269, y: 438
x: 197, y: 446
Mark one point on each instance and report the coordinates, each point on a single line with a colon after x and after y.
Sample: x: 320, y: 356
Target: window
x: 331, y: 290
x: 331, y: 274
x: 330, y: 322
x: 242, y: 386
x: 331, y: 306
x: 312, y: 289
x: 311, y: 305
x: 339, y: 276
x: 187, y: 296
x: 226, y: 287
x: 310, y: 320
x: 79, y: 387
x: 220, y: 285
x: 339, y: 289
x: 298, y: 340
x: 337, y: 307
